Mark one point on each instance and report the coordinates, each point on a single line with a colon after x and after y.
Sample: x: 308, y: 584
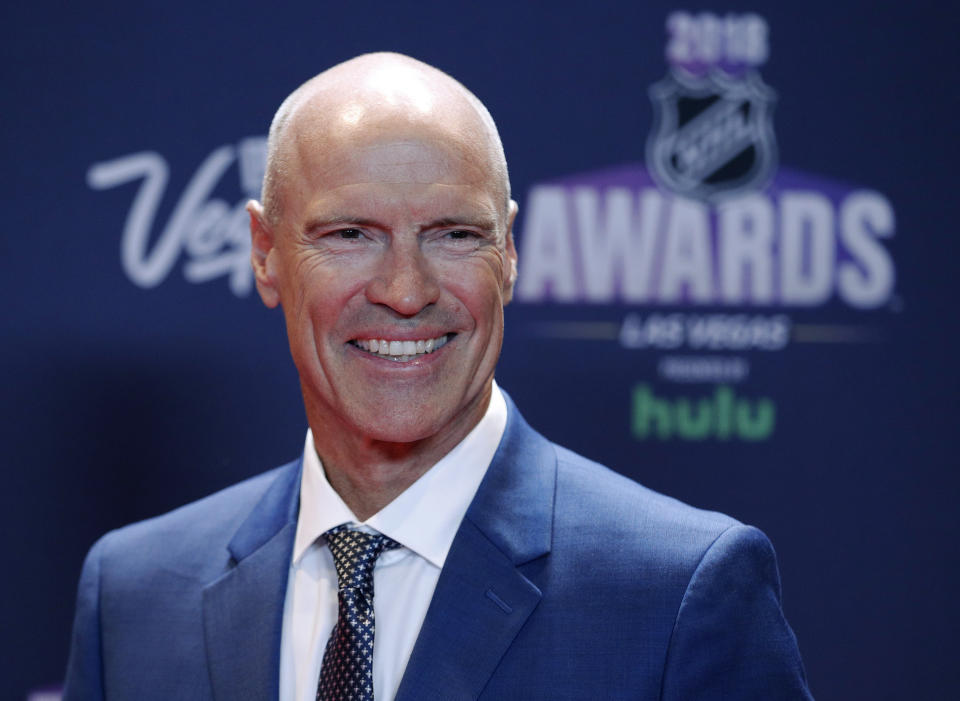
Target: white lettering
x: 687, y: 258
x: 604, y: 241
x: 714, y: 332
x: 738, y: 332
x: 807, y: 248
x: 606, y: 244
x: 867, y: 281
x: 546, y: 256
x: 658, y: 331
x: 213, y: 234
x: 617, y: 248
x: 709, y: 39
x: 143, y: 269
x: 703, y: 368
x: 746, y: 250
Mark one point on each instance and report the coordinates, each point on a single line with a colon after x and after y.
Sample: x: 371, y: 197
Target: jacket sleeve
x: 730, y: 639
x: 84, y: 680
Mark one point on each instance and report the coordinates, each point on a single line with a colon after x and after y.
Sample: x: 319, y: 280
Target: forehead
x: 387, y: 162
x: 423, y: 158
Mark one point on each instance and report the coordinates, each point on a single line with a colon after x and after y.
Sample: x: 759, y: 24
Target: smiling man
x: 385, y: 236
x: 428, y: 544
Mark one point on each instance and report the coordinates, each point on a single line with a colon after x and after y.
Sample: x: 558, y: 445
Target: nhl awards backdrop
x: 737, y: 282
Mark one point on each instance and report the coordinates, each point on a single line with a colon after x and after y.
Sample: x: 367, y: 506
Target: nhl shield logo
x: 712, y: 134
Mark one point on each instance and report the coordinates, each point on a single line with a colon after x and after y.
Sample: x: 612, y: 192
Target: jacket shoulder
x: 600, y: 505
x: 193, y: 538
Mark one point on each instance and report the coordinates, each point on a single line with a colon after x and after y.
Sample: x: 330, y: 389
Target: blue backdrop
x: 776, y: 340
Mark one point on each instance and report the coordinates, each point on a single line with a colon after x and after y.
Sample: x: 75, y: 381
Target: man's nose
x: 404, y: 280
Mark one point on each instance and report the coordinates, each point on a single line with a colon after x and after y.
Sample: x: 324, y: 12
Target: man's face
x: 392, y: 261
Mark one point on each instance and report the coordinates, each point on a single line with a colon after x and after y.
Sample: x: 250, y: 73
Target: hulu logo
x: 723, y: 416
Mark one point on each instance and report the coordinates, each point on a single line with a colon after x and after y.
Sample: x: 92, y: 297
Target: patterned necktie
x: 347, y: 671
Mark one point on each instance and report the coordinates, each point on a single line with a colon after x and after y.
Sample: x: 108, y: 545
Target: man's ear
x: 510, y: 260
x: 263, y: 255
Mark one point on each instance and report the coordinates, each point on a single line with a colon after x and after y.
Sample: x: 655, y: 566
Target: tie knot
x: 355, y: 553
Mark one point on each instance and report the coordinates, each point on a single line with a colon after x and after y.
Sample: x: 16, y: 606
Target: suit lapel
x: 482, y: 598
x: 243, y: 609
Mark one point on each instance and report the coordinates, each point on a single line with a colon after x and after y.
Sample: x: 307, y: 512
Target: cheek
x: 322, y: 289
x: 480, y: 297
x: 477, y: 278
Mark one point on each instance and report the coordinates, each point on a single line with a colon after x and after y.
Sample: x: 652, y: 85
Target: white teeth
x: 401, y: 350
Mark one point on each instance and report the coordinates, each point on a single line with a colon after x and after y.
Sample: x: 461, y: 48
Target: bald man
x: 427, y: 544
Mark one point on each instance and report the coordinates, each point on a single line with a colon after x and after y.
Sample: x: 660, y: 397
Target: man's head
x: 387, y: 217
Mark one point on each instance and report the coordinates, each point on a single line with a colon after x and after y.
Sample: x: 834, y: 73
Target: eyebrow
x: 482, y: 223
x: 340, y: 220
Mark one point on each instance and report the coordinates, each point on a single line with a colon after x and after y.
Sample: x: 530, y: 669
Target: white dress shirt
x: 423, y: 519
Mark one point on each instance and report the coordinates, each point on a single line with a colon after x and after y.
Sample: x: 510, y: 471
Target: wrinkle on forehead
x: 407, y: 161
x: 390, y: 152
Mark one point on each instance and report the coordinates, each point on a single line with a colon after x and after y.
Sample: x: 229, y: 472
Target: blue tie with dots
x: 347, y: 671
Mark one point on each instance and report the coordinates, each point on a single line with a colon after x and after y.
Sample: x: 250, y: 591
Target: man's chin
x: 412, y: 422
x: 401, y: 430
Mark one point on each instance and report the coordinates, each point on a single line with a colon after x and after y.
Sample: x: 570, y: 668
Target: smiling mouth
x: 401, y: 351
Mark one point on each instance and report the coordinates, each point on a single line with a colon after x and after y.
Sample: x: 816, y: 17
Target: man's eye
x: 349, y: 233
x: 459, y: 234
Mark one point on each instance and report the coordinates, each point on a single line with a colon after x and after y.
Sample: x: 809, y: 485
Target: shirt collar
x: 424, y: 517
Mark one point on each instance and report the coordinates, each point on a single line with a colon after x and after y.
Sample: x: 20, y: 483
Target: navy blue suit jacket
x: 564, y: 581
